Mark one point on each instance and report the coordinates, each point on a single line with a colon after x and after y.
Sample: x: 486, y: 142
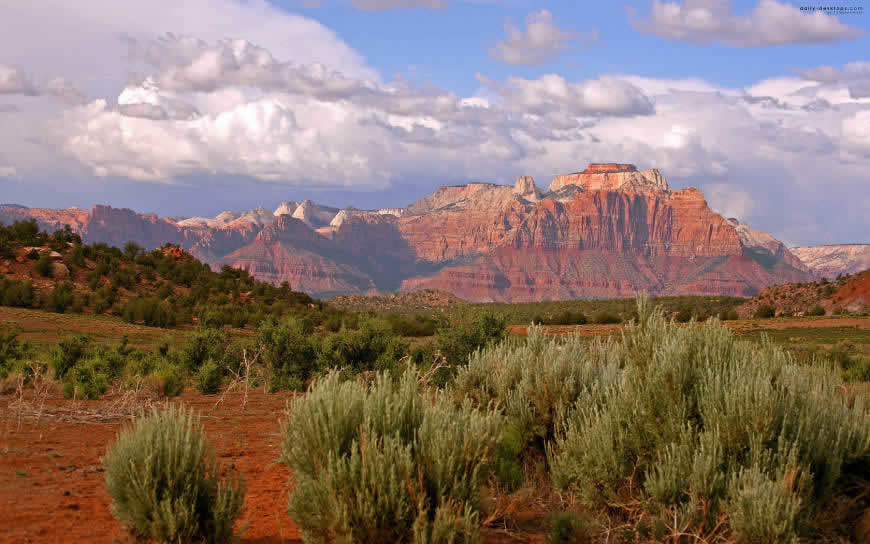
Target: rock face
x: 611, y: 177
x: 830, y: 261
x: 608, y: 231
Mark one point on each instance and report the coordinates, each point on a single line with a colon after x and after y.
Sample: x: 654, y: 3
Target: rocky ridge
x: 607, y: 231
x: 829, y: 261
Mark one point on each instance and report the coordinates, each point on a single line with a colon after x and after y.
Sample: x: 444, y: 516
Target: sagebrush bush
x: 534, y: 383
x: 381, y: 463
x: 699, y: 425
x: 166, y: 484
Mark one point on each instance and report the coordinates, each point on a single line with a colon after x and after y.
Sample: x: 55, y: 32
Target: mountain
x: 829, y: 261
x: 607, y: 231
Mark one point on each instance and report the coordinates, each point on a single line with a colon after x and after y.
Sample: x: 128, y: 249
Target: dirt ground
x: 51, y: 479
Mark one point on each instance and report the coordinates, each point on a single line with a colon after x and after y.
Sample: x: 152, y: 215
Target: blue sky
x: 191, y: 108
x: 450, y: 45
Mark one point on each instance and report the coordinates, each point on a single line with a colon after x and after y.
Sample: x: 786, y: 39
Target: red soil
x: 52, y: 482
x: 51, y: 479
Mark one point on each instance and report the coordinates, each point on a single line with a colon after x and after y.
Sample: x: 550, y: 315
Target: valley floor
x: 51, y: 479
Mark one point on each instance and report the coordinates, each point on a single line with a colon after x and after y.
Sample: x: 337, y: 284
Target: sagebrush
x: 384, y: 463
x: 687, y: 429
x: 166, y: 484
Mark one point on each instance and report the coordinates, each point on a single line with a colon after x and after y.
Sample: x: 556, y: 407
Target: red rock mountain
x: 608, y: 231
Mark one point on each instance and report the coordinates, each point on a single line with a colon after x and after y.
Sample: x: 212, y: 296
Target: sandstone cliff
x: 607, y: 231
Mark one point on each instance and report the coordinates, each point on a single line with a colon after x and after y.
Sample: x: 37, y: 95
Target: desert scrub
x: 700, y: 427
x: 165, y: 483
x: 384, y: 463
x: 536, y: 381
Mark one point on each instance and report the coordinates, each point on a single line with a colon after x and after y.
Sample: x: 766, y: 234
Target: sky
x: 195, y: 107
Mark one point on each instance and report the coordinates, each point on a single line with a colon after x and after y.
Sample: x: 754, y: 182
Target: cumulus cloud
x: 14, y: 81
x: 377, y: 5
x: 541, y: 42
x: 770, y: 23
x: 856, y: 76
x: 856, y: 132
x: 551, y: 93
x: 65, y: 91
x: 204, y: 103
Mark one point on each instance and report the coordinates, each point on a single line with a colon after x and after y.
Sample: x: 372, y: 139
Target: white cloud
x: 65, y: 91
x: 14, y: 81
x: 86, y: 43
x: 770, y: 23
x: 551, y: 93
x: 856, y: 76
x: 856, y: 132
x: 191, y: 106
x: 540, y: 43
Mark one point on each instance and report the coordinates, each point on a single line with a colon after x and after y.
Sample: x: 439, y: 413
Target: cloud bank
x: 187, y: 105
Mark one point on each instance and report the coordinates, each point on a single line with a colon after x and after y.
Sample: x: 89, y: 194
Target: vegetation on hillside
x: 164, y: 287
x: 846, y: 295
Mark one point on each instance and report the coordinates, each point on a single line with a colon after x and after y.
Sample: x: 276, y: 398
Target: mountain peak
x: 612, y: 177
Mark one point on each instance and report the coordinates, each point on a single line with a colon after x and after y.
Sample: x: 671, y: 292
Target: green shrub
x: 372, y: 346
x: 86, y: 380
x: 700, y: 426
x: 209, y: 378
x: 765, y: 311
x: 17, y: 293
x: 11, y: 350
x: 606, y: 318
x: 815, y: 310
x: 462, y: 337
x: 43, y: 265
x: 150, y: 311
x: 381, y: 464
x: 536, y: 381
x: 289, y: 351
x: 166, y: 484
x: 684, y: 315
x: 167, y: 379
x: 507, y: 465
x: 414, y: 325
x: 68, y: 353
x: 202, y: 345
x: 567, y: 527
x: 728, y: 315
x: 59, y: 298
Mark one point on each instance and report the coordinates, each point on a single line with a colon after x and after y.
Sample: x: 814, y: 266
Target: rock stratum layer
x: 609, y: 231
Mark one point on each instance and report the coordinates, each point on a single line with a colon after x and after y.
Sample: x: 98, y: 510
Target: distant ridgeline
x: 608, y: 231
x: 162, y: 287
